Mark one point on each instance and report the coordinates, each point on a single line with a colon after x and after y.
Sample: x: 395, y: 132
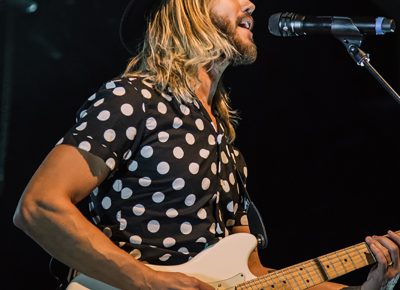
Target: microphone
x: 287, y: 24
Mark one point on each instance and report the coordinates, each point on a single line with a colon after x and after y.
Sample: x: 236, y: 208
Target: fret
x: 315, y: 271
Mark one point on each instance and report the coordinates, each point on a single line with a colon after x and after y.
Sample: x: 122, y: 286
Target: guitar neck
x: 314, y: 271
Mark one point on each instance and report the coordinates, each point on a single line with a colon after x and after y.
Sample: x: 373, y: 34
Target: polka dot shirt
x: 173, y: 189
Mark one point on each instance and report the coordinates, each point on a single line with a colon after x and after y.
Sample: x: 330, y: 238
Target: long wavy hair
x: 180, y: 38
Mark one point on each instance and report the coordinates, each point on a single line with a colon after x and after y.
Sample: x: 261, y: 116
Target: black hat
x: 133, y: 21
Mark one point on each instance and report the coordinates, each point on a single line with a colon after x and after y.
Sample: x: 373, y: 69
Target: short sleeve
x: 109, y: 122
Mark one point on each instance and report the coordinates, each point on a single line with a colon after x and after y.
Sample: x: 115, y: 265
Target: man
x: 154, y: 149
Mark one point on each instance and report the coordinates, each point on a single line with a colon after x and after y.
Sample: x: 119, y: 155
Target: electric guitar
x: 224, y: 266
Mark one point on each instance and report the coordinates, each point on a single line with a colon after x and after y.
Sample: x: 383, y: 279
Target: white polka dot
x: 111, y: 163
x: 165, y: 257
x: 178, y: 152
x: 186, y: 228
x: 98, y: 103
x: 120, y: 91
x: 211, y: 140
x: 178, y: 184
x: 225, y: 185
x: 163, y: 168
x: 202, y: 214
x: 146, y: 152
x: 144, y: 108
x: 190, y: 200
x: 235, y: 208
x: 224, y: 158
x: 109, y: 135
x: 232, y: 179
x: 194, y: 168
x: 151, y: 123
x: 162, y: 108
x: 153, y: 226
x: 219, y: 139
x: 218, y: 229
x: 184, y: 251
x: 228, y: 151
x: 83, y: 114
x: 229, y: 206
x: 138, y: 209
x: 146, y: 94
x: 185, y: 110
x: 92, y: 97
x: 172, y: 213
x: 145, y: 181
x: 201, y: 240
x: 169, y: 242
x: 127, y: 155
x: 136, y: 253
x: 230, y: 223
x: 158, y: 197
x: 127, y: 109
x: 126, y: 193
x: 199, y: 124
x: 214, y: 168
x: 122, y: 222
x: 244, y: 221
x: 163, y: 137
x: 133, y: 166
x: 104, y: 115
x: 190, y: 138
x: 236, y: 152
x: 60, y: 141
x: 245, y: 171
x: 131, y: 133
x: 167, y: 97
x: 110, y: 85
x: 95, y: 191
x: 135, y: 240
x: 212, y: 228
x: 117, y: 185
x: 205, y: 184
x: 82, y: 126
x: 106, y: 202
x: 204, y: 153
x: 85, y: 146
x: 177, y: 123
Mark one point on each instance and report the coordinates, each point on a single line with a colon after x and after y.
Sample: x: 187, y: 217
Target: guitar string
x: 313, y: 264
x: 352, y: 252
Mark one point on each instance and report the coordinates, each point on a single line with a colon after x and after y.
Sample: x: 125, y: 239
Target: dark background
x: 320, y: 135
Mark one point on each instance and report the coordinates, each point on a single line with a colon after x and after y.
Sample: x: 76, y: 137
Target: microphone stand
x: 346, y: 32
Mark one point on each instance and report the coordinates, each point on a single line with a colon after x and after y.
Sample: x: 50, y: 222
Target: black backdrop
x: 320, y: 135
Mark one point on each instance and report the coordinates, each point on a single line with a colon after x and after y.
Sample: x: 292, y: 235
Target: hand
x: 386, y: 251
x: 177, y: 281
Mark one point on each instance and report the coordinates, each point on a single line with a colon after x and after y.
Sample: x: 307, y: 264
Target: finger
x: 391, y: 246
x: 378, y: 254
x: 394, y: 237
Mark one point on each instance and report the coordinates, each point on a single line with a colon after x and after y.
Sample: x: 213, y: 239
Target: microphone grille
x: 273, y: 24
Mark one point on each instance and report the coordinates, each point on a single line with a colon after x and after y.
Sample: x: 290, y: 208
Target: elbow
x: 28, y: 214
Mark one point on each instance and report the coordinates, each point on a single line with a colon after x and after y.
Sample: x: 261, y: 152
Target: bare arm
x: 47, y: 213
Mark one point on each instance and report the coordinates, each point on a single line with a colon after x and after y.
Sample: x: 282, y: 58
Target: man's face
x: 233, y: 17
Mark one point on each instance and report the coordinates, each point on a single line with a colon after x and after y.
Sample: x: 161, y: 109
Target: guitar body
x: 222, y: 265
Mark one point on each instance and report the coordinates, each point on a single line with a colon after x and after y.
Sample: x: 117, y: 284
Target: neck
x: 209, y: 80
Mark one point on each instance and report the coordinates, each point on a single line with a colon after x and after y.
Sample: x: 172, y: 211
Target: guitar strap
x: 256, y: 223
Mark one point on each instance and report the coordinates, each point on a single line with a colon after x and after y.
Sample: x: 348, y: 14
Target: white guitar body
x: 223, y: 265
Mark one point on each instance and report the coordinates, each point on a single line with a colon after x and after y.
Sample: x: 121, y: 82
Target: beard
x: 246, y: 51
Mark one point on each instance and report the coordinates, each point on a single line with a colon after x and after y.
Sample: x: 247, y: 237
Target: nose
x: 249, y: 7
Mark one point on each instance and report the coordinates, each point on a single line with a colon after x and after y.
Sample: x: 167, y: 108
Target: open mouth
x: 246, y: 23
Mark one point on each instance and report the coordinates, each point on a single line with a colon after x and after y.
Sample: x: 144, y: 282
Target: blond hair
x: 180, y: 39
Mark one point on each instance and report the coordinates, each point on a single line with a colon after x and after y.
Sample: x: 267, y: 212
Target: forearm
x: 68, y: 236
